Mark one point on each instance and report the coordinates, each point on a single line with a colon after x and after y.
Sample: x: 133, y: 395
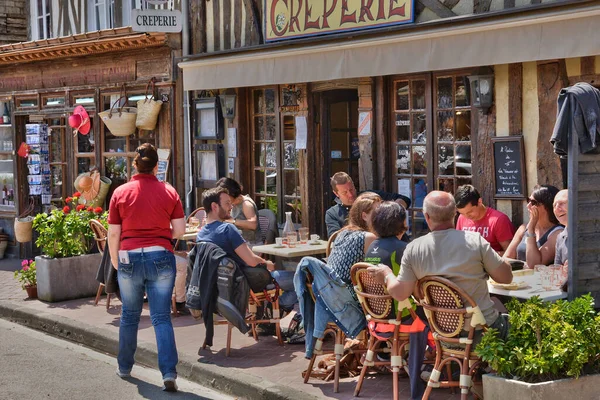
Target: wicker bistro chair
x: 377, y: 305
x: 338, y: 348
x: 100, y: 236
x: 448, y: 308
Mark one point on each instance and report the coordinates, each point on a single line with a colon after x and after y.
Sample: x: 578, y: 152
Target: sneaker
x: 123, y: 375
x: 426, y: 372
x: 182, y: 309
x: 297, y: 338
x: 169, y: 385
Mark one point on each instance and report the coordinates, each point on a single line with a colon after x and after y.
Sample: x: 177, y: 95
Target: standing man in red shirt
x: 144, y: 216
x: 492, y: 225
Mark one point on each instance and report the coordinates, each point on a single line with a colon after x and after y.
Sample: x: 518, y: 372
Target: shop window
x: 7, y: 177
x: 53, y: 100
x: 431, y: 138
x: 86, y: 99
x: 57, y: 128
x: 100, y: 14
x: 85, y: 149
x: 118, y: 152
x: 276, y: 181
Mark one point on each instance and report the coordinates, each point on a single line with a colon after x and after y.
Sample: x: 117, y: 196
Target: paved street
x: 37, y: 366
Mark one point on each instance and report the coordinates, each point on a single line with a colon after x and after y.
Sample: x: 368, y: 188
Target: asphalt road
x: 34, y: 366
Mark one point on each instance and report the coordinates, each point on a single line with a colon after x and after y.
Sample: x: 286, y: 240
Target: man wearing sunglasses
x: 492, y: 225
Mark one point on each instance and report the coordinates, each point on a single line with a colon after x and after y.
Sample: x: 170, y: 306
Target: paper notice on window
x: 301, y: 132
x: 404, y: 187
x: 231, y: 142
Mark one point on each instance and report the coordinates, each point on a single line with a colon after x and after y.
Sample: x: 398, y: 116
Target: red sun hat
x: 80, y: 121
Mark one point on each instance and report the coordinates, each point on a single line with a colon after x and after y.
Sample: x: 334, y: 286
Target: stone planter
x: 497, y: 388
x: 68, y: 278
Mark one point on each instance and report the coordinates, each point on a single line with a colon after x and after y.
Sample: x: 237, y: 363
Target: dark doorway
x: 339, y: 119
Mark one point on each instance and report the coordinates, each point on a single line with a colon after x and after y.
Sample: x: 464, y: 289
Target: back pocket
x: 165, y: 267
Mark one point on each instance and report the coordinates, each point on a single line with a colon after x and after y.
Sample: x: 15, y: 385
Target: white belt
x: 147, y: 249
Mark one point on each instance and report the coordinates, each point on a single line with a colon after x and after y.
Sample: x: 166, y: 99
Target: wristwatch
x: 528, y: 235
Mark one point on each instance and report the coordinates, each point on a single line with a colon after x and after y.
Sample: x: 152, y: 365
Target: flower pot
x: 498, y: 388
x: 3, y: 245
x: 31, y: 291
x: 67, y: 278
x: 24, y: 229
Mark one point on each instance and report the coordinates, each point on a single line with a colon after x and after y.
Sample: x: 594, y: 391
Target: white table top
x: 533, y: 288
x: 189, y: 235
x: 300, y: 250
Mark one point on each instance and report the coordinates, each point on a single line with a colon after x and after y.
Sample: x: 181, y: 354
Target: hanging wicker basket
x: 120, y: 122
x: 24, y: 229
x: 148, y: 109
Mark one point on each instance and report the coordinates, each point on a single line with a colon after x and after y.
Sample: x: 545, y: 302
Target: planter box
x: 68, y: 278
x: 497, y: 388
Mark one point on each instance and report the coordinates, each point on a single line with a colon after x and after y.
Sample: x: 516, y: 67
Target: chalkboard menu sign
x: 509, y: 168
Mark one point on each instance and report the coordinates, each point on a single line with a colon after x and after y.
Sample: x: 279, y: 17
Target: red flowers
x: 80, y: 207
x: 90, y: 208
x: 66, y: 209
x: 68, y: 199
x: 76, y: 194
x: 98, y: 210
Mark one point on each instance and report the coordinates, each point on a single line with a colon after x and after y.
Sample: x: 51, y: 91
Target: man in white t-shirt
x: 463, y: 257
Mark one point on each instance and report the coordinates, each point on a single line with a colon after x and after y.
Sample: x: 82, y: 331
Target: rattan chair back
x: 100, y: 234
x: 373, y: 296
x: 330, y: 242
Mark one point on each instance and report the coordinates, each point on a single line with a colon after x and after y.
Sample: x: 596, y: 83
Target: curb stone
x: 240, y: 383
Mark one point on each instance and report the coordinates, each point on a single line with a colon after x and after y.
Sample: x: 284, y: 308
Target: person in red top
x: 494, y: 226
x: 144, y: 216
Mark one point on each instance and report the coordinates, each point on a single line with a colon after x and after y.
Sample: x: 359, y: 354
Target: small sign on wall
x: 364, y: 123
x: 163, y: 164
x: 156, y: 21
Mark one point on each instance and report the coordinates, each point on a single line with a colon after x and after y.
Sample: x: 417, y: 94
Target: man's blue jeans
x: 152, y: 273
x: 285, y: 280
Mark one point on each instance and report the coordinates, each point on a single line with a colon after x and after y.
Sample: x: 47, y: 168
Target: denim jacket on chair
x: 335, y: 302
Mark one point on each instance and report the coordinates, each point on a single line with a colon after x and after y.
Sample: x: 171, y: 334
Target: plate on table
x: 515, y: 285
x: 278, y: 246
x: 314, y: 243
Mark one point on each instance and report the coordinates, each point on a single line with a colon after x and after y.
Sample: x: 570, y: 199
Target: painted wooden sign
x: 298, y: 18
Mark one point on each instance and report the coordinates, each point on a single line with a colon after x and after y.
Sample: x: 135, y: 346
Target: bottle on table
x: 288, y: 227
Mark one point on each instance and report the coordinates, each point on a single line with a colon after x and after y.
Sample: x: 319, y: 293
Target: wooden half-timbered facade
x: 392, y: 104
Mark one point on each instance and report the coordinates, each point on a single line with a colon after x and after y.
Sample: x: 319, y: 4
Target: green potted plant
x: 66, y: 270
x: 27, y: 278
x: 552, y: 351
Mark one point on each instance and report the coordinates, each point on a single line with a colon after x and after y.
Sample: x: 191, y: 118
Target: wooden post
x: 365, y: 142
x: 515, y: 123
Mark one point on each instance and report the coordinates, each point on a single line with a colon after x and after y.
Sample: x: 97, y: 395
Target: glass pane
x: 84, y: 100
x: 444, y: 92
x: 293, y: 205
x: 290, y: 158
x: 270, y: 155
x: 27, y: 102
x: 270, y: 101
x: 462, y: 91
x: 446, y: 159
x: 84, y: 165
x: 54, y: 101
x: 85, y: 143
x: 259, y: 181
x: 420, y: 188
x: 419, y: 128
x: 445, y: 122
x: 403, y: 159
x: 56, y: 146
x: 463, y: 160
x: 259, y: 102
x: 271, y: 182
x: 446, y: 185
x: 289, y: 128
x: 463, y: 181
x: 402, y: 96
x: 208, y: 123
x: 291, y: 183
x: 418, y: 95
x: 419, y: 226
x: 114, y: 144
x: 271, y: 130
x: 259, y: 155
x: 116, y: 168
x: 463, y: 125
x: 402, y: 127
x: 419, y: 154
x: 259, y: 128
x: 56, y: 172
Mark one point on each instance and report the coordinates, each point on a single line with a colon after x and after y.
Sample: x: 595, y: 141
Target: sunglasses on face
x: 533, y: 202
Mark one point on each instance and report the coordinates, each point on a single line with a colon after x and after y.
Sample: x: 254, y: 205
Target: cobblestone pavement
x: 265, y: 359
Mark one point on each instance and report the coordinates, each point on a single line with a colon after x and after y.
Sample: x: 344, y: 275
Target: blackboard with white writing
x: 509, y: 168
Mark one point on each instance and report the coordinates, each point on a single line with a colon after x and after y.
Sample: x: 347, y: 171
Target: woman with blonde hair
x: 353, y: 240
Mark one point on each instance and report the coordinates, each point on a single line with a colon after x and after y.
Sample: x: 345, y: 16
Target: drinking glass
x: 304, y: 233
x: 194, y: 223
x: 292, y: 239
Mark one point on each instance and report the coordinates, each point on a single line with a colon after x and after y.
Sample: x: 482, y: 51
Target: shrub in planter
x: 66, y: 232
x: 546, y: 341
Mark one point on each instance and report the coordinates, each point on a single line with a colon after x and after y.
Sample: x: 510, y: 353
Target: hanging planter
x: 24, y: 229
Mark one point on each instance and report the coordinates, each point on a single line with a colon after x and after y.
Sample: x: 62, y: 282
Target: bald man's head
x: 440, y: 207
x: 560, y: 206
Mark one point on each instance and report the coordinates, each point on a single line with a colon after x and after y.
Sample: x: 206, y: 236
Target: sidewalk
x: 254, y: 370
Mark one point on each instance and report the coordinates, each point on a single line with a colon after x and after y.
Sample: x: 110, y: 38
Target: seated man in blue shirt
x: 336, y: 216
x: 217, y: 204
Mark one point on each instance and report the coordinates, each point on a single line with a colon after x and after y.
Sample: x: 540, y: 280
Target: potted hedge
x: 66, y: 269
x: 552, y: 351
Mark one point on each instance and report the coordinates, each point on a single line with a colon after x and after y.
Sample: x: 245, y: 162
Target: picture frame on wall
x: 209, y: 165
x: 208, y: 119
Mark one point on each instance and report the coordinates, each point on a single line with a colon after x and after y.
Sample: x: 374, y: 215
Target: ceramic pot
x: 31, y: 291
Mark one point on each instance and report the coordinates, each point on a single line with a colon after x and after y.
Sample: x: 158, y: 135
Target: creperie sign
x: 286, y: 19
